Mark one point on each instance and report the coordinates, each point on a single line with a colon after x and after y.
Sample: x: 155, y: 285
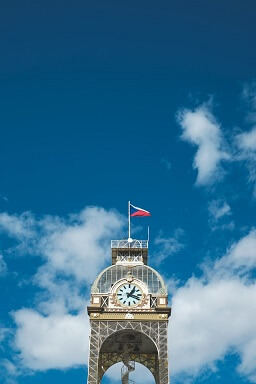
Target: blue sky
x: 105, y: 102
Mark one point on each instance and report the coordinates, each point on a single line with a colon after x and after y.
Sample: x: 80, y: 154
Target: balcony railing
x: 129, y: 244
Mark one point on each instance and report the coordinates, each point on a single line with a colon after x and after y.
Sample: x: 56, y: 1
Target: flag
x: 139, y: 212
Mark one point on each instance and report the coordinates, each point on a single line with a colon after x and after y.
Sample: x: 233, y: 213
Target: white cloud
x: 73, y: 250
x: 19, y: 227
x: 54, y: 341
x: 218, y: 209
x: 209, y: 321
x: 167, y: 246
x: 22, y: 229
x: 241, y: 256
x: 249, y: 95
x: 81, y: 246
x: 77, y: 246
x: 3, y: 266
x: 214, y: 315
x: 200, y: 128
x: 247, y: 141
x: 3, y: 333
x: 219, y: 213
x: 8, y: 372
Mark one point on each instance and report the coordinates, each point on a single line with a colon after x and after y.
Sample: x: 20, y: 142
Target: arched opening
x: 132, y: 349
x: 141, y: 375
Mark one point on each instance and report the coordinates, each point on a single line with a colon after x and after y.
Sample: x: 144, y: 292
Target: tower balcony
x: 138, y: 244
x: 129, y: 251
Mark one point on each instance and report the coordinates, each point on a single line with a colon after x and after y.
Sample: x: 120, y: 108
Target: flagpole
x: 129, y: 220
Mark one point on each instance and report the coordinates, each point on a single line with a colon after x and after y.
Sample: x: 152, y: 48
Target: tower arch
x: 129, y: 346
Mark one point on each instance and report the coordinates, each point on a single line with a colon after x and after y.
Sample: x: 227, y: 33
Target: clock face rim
x: 126, y: 305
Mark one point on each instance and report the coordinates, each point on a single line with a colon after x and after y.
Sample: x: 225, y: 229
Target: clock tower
x: 128, y: 315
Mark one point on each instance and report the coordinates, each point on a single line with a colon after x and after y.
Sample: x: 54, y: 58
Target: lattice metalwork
x: 129, y: 252
x: 149, y: 360
x: 112, y: 274
x: 153, y: 302
x: 129, y: 244
x: 129, y: 255
x: 157, y: 362
x: 104, y: 301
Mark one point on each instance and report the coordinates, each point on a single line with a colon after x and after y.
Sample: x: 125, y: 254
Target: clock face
x: 129, y: 294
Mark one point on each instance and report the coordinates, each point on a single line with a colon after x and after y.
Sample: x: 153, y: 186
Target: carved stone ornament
x: 113, y: 300
x: 144, y: 301
x: 129, y: 277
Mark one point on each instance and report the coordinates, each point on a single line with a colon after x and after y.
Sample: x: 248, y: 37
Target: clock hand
x: 132, y: 292
x: 134, y: 297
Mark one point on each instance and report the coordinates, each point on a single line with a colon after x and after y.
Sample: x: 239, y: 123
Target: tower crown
x: 129, y: 266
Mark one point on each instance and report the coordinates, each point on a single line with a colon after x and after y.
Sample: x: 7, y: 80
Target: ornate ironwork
x: 146, y: 274
x: 156, y: 360
x: 129, y: 244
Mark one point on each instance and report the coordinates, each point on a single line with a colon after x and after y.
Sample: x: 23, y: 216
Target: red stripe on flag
x: 140, y: 213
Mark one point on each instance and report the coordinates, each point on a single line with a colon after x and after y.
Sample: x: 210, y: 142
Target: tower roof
x: 112, y: 274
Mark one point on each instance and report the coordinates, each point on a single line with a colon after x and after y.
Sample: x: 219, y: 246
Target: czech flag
x: 139, y: 212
